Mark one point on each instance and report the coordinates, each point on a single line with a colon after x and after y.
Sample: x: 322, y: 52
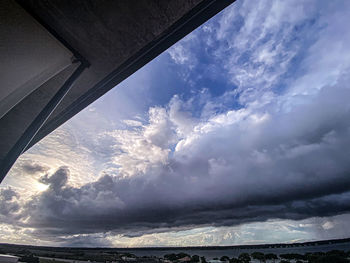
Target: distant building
x: 8, y: 259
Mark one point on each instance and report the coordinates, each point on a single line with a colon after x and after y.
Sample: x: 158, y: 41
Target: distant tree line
x: 334, y: 256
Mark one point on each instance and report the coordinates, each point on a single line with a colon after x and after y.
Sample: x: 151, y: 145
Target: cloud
x: 57, y: 180
x: 9, y: 206
x: 178, y: 54
x: 86, y: 241
x: 280, y: 153
x: 8, y: 194
x: 33, y: 168
x: 241, y: 166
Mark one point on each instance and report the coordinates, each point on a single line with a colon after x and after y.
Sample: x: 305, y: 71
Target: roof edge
x: 77, y: 56
x: 185, y: 25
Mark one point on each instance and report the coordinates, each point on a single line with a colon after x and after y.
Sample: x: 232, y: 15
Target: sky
x: 237, y: 134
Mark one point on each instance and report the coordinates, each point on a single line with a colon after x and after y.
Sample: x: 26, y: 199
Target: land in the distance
x: 333, y: 251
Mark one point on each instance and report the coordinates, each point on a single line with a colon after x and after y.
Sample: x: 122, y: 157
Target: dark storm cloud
x: 57, y: 180
x: 86, y: 241
x: 32, y: 168
x: 8, y: 194
x: 284, y: 155
x: 290, y: 165
x: 9, y: 206
x: 72, y: 211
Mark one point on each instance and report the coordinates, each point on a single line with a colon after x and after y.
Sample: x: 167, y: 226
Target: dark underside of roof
x: 115, y: 37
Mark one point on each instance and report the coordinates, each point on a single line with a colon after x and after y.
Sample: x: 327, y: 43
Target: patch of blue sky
x: 204, y: 73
